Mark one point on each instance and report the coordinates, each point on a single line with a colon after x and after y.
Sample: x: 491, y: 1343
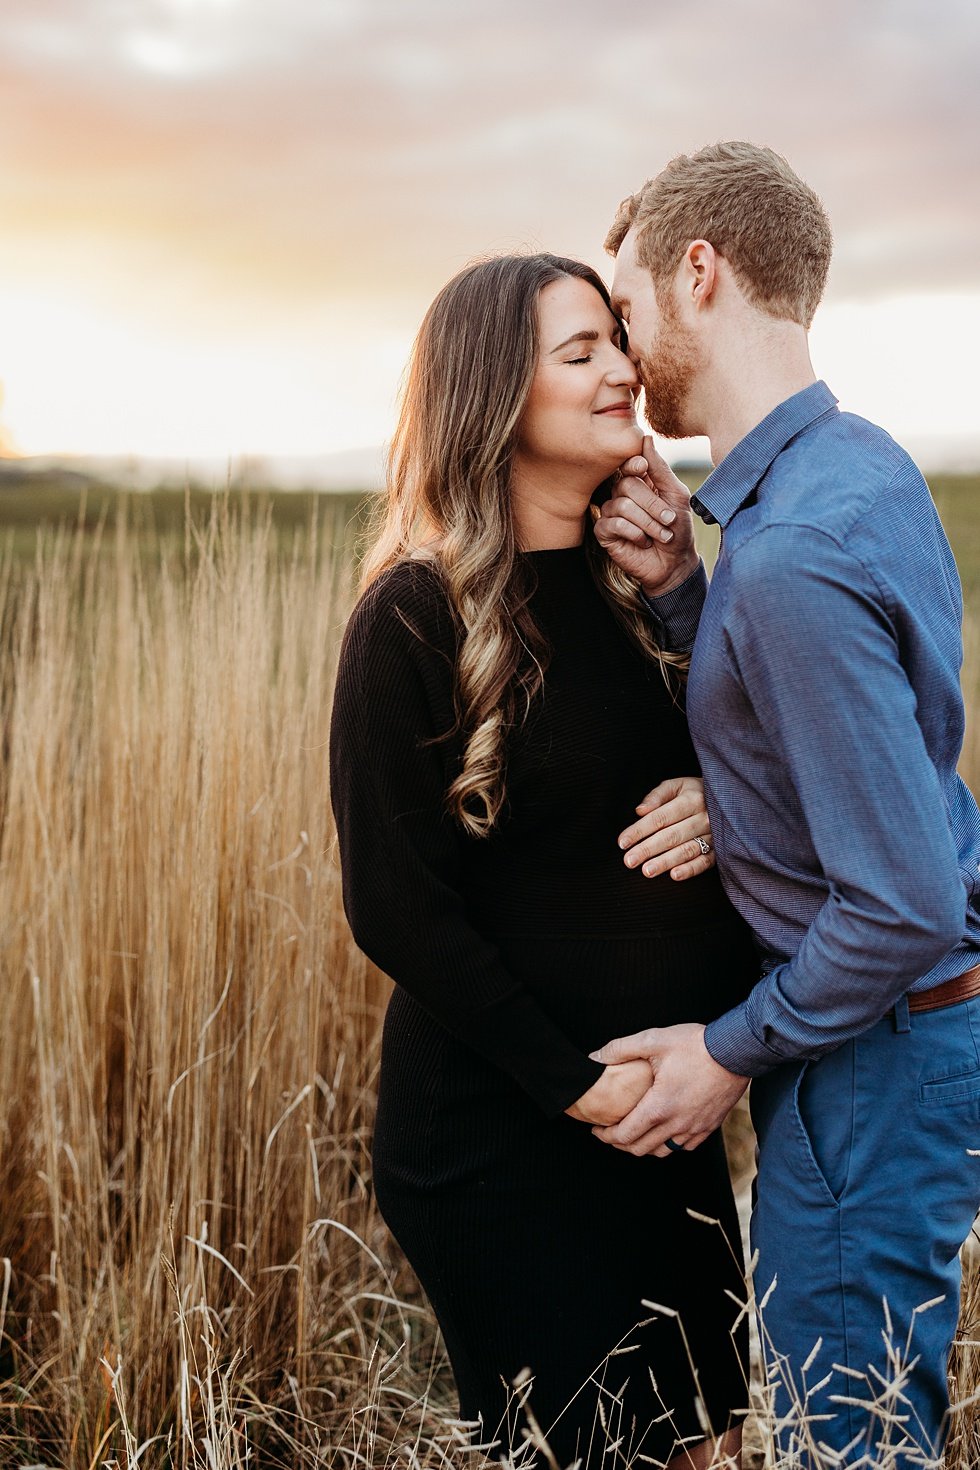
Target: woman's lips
x: 621, y: 410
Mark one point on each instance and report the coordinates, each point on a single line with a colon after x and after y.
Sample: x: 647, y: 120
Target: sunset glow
x: 221, y: 222
x: 83, y: 379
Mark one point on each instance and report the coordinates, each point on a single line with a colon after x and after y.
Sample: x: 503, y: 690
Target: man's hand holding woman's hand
x: 615, y: 1094
x: 646, y: 525
x: 690, y: 1096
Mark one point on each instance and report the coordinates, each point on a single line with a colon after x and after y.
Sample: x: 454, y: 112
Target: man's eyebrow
x: 618, y: 305
x: 587, y: 336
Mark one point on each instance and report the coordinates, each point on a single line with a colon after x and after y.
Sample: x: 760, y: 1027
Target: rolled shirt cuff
x: 676, y: 614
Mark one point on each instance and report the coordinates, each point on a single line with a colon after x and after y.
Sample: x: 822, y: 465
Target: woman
x: 500, y: 708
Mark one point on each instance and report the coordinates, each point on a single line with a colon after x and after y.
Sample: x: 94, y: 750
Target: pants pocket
x: 951, y: 1071
x: 964, y: 1087
x: 823, y: 1101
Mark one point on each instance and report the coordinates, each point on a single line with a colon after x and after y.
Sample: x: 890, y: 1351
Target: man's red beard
x: 667, y: 379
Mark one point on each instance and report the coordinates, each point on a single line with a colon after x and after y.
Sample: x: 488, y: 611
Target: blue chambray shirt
x: 825, y: 706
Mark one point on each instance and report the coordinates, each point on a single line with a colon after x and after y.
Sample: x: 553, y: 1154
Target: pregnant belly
x: 597, y: 987
x: 447, y: 1117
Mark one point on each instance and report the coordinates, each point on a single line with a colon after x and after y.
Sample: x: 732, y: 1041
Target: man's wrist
x: 731, y: 1042
x: 684, y: 571
x: 675, y: 615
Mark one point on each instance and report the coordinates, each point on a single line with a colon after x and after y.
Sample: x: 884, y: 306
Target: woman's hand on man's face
x: 671, y: 831
x: 646, y: 525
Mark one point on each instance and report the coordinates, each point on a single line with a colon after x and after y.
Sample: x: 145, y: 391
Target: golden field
x: 192, y: 1271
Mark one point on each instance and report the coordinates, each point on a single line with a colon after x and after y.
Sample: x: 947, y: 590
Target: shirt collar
x: 728, y: 487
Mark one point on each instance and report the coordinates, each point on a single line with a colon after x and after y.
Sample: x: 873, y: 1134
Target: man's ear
x: 700, y: 269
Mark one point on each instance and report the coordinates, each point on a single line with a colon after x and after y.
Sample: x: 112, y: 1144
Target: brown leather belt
x: 950, y: 993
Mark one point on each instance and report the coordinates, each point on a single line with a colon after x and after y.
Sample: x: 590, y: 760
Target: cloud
x: 310, y: 172
x: 319, y: 149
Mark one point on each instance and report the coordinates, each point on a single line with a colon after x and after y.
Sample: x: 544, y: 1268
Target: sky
x: 222, y: 220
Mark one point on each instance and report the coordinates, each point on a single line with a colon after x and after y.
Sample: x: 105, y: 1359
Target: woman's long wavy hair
x: 448, y: 499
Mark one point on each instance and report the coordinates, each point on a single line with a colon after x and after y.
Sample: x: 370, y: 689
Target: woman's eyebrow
x: 587, y: 336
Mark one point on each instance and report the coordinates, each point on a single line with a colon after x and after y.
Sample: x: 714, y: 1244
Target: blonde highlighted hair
x: 448, y: 499
x: 748, y: 203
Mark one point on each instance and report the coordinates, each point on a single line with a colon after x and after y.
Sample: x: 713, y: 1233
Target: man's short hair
x: 749, y: 204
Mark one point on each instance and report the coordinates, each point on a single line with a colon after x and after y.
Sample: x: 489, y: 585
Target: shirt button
x: 702, y: 510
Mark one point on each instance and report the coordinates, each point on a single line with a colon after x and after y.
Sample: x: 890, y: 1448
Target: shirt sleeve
x: 675, y: 616
x: 814, y: 642
x: 402, y: 859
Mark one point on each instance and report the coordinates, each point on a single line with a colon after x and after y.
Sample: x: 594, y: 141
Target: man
x: 824, y: 703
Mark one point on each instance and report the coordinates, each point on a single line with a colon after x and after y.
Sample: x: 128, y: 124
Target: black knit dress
x: 538, y: 1246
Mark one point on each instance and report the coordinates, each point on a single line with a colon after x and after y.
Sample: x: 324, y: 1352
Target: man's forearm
x: 676, y: 612
x: 797, y: 1011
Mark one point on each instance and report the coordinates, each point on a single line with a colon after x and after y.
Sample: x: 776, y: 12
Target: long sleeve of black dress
x: 402, y: 859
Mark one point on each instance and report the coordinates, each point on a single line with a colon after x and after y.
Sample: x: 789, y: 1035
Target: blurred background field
x: 192, y: 1269
x: 30, y: 498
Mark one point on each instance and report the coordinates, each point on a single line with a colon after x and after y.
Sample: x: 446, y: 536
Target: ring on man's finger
x: 705, y: 845
x: 675, y: 1148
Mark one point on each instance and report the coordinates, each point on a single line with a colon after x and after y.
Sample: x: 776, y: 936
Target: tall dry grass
x: 189, y: 1039
x: 192, y: 1271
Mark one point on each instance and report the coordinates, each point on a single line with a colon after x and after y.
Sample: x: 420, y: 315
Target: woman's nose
x: 624, y: 370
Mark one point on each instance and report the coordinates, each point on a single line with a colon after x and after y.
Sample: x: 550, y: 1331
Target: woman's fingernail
x: 668, y: 516
x: 666, y: 535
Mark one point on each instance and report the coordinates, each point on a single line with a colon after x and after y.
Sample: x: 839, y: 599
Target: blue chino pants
x: 865, y: 1193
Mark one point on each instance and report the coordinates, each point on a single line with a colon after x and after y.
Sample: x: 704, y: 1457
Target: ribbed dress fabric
x: 514, y: 957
